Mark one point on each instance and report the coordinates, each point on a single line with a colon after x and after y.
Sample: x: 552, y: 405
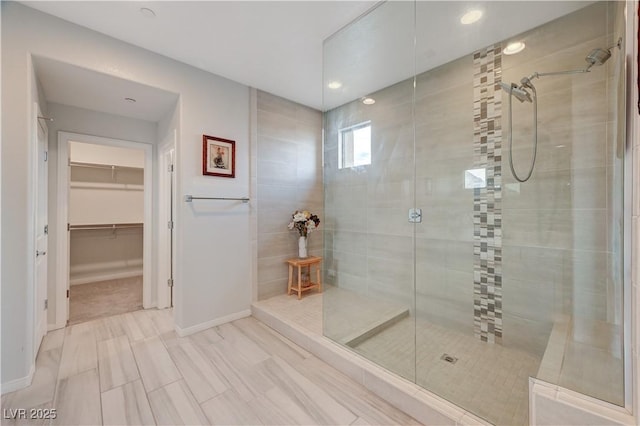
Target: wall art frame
x: 218, y: 157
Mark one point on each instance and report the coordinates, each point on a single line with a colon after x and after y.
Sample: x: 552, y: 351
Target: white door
x: 41, y: 234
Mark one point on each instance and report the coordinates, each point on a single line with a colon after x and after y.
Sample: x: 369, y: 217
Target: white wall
x: 17, y: 222
x: 105, y: 155
x: 212, y: 264
x: 103, y: 196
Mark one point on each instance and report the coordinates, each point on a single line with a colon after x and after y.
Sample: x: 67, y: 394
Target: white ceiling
x: 277, y: 46
x: 71, y: 85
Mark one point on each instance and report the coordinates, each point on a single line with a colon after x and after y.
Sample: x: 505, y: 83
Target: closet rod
x: 112, y: 226
x: 189, y: 198
x: 102, y: 166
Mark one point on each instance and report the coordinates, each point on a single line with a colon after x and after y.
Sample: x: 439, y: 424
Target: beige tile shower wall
x: 560, y: 236
x: 444, y: 150
x: 369, y: 243
x: 289, y: 177
x: 557, y: 253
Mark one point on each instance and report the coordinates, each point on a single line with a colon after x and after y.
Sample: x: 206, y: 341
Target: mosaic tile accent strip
x: 487, y: 200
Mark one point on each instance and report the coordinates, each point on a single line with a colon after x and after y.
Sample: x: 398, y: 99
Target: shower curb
x: 422, y: 405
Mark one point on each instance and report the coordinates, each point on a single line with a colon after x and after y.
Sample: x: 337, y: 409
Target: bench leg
x: 318, y: 280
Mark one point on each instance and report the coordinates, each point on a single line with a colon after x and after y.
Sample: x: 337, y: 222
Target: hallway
x: 133, y: 369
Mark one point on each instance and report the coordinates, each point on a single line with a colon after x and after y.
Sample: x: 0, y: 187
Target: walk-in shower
x: 439, y: 264
x: 597, y: 56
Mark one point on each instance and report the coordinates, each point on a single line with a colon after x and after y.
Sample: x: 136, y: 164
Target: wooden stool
x: 302, y: 263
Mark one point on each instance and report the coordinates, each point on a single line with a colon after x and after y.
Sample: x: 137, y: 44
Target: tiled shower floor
x: 488, y: 380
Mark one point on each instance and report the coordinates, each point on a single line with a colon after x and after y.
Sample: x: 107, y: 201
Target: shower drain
x: 450, y: 359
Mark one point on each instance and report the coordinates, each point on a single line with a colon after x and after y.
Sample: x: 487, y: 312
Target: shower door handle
x: 415, y: 215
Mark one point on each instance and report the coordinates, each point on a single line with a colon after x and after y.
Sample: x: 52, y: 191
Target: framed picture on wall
x: 218, y: 157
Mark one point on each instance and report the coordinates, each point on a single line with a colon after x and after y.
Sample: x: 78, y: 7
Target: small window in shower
x: 354, y: 146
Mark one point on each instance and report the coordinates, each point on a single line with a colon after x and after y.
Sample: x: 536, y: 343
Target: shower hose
x: 535, y: 136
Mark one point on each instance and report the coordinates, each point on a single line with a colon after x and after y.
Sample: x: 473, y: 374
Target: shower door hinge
x: 415, y: 215
x: 170, y: 282
x: 170, y: 168
x: 46, y: 230
x: 170, y: 224
x: 46, y: 303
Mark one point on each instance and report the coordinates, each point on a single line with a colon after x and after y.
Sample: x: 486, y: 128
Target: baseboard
x: 183, y: 332
x: 105, y: 276
x: 54, y: 326
x: 20, y: 383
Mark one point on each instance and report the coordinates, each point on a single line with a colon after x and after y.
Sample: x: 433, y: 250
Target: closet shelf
x: 104, y: 226
x: 102, y: 185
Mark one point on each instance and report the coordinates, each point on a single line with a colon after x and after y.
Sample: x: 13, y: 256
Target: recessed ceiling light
x: 148, y: 13
x: 368, y: 101
x: 471, y: 16
x: 334, y: 85
x: 130, y: 100
x: 513, y: 48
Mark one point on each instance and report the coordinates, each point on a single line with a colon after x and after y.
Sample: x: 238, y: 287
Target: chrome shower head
x: 520, y: 93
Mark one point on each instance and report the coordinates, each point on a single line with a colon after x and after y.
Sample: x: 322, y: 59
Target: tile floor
x: 133, y: 369
x: 495, y: 377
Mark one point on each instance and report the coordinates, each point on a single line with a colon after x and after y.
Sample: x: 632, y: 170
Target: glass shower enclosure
x: 440, y: 265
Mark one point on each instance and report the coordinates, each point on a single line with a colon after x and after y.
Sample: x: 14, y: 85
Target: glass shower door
x: 520, y: 279
x: 369, y: 301
x: 498, y: 280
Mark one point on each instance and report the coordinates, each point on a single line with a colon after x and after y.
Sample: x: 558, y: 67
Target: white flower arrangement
x: 304, y: 222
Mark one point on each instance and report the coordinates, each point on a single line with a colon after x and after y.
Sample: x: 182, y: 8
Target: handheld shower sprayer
x: 512, y: 89
x: 526, y: 91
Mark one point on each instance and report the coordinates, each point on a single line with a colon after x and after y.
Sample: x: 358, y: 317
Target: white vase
x: 302, y: 247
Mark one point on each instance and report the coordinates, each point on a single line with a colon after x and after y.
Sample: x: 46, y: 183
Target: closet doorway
x: 105, y: 193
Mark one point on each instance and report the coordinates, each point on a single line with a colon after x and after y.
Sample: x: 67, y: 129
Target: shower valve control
x: 415, y: 215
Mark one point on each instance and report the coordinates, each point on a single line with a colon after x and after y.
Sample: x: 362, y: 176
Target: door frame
x: 166, y: 213
x: 63, y: 246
